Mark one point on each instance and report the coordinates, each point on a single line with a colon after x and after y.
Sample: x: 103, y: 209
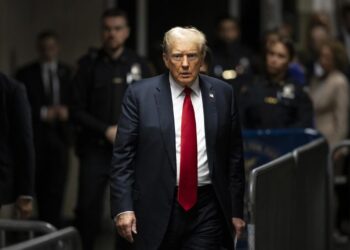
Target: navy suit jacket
x: 143, y: 171
x: 16, y: 142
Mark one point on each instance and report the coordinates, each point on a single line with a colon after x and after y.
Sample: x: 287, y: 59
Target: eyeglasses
x: 179, y: 57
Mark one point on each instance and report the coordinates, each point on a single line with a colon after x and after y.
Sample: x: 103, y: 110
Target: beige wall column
x: 271, y: 14
x: 77, y: 23
x: 234, y: 8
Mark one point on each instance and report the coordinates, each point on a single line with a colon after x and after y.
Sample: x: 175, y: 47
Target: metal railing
x: 266, y: 203
x: 30, y: 227
x: 64, y: 239
x: 289, y: 201
x: 339, y: 179
x: 336, y: 180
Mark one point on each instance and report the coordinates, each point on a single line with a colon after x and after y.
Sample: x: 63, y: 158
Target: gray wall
x: 76, y: 21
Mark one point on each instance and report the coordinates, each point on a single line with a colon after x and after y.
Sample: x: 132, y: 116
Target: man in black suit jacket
x: 16, y: 147
x: 48, y: 84
x: 177, y: 178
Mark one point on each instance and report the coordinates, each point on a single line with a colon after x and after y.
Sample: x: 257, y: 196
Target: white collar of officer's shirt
x: 177, y: 89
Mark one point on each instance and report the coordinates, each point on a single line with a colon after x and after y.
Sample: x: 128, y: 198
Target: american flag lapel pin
x: 211, y: 96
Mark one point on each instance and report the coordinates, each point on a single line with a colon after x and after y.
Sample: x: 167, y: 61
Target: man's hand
x: 62, y: 113
x: 24, y: 207
x: 126, y: 225
x: 239, y: 226
x: 111, y: 132
x: 49, y: 115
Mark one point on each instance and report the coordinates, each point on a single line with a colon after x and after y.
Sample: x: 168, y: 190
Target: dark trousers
x: 51, y: 172
x: 93, y: 180
x: 201, y: 228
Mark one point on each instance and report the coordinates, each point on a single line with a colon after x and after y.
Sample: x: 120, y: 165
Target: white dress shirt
x: 46, y: 68
x: 178, y: 97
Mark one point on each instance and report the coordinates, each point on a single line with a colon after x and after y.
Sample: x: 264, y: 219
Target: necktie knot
x: 188, y: 91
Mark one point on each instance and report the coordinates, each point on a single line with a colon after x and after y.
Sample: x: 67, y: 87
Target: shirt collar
x: 178, y: 89
x: 50, y: 65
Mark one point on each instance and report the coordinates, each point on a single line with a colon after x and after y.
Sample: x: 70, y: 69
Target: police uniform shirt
x: 270, y: 105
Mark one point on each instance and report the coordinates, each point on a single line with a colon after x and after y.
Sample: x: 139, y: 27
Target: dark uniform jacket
x: 16, y: 142
x: 99, y: 86
x: 269, y: 105
x: 232, y: 63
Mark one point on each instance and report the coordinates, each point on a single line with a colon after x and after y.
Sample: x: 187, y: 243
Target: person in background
x: 273, y: 100
x: 17, y: 149
x: 207, y: 63
x: 344, y: 35
x: 296, y: 71
x: 103, y: 76
x: 47, y: 81
x: 231, y: 60
x: 330, y: 93
x: 318, y: 33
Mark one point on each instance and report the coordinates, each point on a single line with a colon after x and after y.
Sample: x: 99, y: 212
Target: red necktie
x: 187, y: 193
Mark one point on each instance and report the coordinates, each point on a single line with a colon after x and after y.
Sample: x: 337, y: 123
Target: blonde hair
x: 188, y: 33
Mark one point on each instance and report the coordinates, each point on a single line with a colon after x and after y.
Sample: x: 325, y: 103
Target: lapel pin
x: 211, y: 96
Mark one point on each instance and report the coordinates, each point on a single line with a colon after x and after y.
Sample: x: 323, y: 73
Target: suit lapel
x: 210, y: 118
x: 39, y: 84
x: 166, y: 117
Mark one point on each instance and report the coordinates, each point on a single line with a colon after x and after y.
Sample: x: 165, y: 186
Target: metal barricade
x: 30, y: 227
x: 337, y: 180
x: 289, y: 201
x: 340, y: 179
x: 64, y: 239
x: 270, y: 205
x: 313, y: 213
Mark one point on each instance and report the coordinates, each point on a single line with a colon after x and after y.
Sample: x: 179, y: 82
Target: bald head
x: 184, y: 34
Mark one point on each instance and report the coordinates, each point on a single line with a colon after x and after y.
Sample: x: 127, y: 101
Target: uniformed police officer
x: 273, y: 100
x: 231, y: 60
x: 103, y: 76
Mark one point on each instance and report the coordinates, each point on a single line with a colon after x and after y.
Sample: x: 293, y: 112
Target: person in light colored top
x: 330, y: 93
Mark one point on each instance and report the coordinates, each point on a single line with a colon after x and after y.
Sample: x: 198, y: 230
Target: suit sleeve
x: 122, y: 167
x: 81, y: 90
x: 22, y: 135
x: 237, y: 174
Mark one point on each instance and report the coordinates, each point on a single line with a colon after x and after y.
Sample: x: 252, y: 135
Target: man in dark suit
x: 177, y: 178
x: 48, y: 84
x: 16, y: 147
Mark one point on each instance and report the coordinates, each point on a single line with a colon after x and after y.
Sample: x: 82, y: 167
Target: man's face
x: 183, y: 59
x: 115, y: 31
x: 277, y: 59
x: 48, y: 49
x: 228, y: 31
